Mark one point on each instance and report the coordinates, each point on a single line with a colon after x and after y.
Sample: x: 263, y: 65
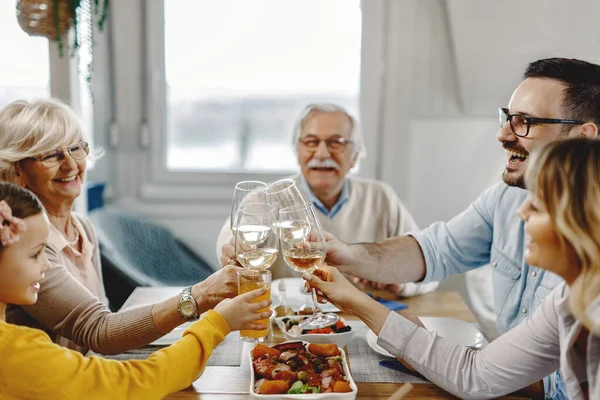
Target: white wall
x: 451, y: 161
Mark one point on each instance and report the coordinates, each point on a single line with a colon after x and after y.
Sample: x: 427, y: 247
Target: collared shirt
x: 537, y: 347
x: 329, y: 213
x: 489, y: 232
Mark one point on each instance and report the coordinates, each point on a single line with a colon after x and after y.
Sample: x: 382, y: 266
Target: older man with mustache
x: 329, y: 144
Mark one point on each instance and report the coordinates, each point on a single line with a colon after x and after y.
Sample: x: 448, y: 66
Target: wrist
x: 199, y: 295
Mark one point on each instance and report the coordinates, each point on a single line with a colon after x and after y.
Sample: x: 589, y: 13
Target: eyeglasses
x: 520, y: 124
x: 334, y: 145
x: 77, y: 151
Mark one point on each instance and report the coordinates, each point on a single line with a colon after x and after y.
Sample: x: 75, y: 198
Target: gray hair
x: 29, y: 129
x: 358, y: 148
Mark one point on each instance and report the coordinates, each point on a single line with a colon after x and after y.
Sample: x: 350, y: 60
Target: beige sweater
x: 373, y: 213
x: 68, y: 310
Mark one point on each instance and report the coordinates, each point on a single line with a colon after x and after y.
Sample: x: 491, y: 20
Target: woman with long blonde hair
x: 562, y: 223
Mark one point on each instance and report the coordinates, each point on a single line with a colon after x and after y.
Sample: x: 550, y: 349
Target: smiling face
x: 544, y: 247
x: 22, y: 264
x: 325, y: 170
x: 56, y: 186
x: 534, y: 97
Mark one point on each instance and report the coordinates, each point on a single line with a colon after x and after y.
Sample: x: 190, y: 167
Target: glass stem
x: 316, y: 310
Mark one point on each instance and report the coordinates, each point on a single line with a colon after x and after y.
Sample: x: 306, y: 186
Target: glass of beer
x: 249, y: 280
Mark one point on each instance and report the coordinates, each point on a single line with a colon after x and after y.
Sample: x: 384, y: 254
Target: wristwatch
x: 187, y: 305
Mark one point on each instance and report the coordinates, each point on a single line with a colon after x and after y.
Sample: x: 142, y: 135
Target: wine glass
x: 304, y: 248
x: 246, y: 192
x: 282, y: 194
x: 255, y: 241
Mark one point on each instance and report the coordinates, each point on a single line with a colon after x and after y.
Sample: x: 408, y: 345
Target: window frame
x: 153, y: 131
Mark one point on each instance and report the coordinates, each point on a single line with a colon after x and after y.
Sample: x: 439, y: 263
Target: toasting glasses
x: 304, y: 248
x: 246, y: 192
x: 255, y: 241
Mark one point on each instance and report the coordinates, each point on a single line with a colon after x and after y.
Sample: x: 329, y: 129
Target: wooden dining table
x: 220, y: 382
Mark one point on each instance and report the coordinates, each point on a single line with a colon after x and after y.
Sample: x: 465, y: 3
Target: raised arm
x: 66, y: 307
x: 442, y: 249
x: 40, y: 368
x: 516, y: 359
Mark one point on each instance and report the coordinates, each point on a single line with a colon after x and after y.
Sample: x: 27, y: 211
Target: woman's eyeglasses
x: 52, y: 158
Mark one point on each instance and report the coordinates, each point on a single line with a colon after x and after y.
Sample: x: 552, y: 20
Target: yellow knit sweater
x: 32, y: 367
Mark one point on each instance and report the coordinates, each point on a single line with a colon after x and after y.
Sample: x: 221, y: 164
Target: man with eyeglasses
x: 329, y: 144
x: 558, y: 98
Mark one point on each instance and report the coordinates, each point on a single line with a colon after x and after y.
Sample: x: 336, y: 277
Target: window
x: 24, y: 70
x: 239, y: 72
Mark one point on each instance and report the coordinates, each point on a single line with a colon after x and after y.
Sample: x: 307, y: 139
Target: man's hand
x: 332, y: 286
x: 339, y: 254
x: 222, y: 284
x: 228, y: 254
x: 394, y: 288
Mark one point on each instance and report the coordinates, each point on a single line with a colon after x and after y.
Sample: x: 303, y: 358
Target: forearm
x: 511, y: 362
x: 395, y: 260
x: 369, y: 311
x: 67, y: 374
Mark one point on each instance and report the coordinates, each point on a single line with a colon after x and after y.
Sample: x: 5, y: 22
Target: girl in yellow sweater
x: 32, y: 367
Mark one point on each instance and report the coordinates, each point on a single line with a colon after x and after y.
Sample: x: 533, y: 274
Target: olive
x: 318, y: 361
x: 321, y: 367
x: 291, y: 364
x: 303, y: 376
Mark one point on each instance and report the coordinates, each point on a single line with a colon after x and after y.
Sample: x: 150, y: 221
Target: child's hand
x: 239, y: 312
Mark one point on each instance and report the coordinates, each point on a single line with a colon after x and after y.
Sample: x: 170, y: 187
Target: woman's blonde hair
x: 29, y: 129
x: 565, y: 176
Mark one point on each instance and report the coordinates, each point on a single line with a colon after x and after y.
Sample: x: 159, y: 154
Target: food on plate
x: 260, y: 349
x: 294, y: 369
x: 324, y: 350
x: 291, y: 327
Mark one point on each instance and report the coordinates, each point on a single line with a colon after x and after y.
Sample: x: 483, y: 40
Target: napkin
x: 391, y: 304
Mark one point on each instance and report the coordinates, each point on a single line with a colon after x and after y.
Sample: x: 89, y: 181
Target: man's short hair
x: 582, y: 80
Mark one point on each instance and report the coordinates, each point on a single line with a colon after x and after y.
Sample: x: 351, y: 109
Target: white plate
x: 294, y: 298
x: 340, y: 339
x: 455, y: 330
x: 312, y: 396
x: 372, y: 342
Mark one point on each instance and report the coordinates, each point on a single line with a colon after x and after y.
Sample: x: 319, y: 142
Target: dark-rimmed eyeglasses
x: 334, y: 145
x: 78, y: 151
x: 520, y: 124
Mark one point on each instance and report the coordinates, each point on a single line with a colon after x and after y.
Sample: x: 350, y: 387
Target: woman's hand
x: 240, y: 313
x: 332, y: 286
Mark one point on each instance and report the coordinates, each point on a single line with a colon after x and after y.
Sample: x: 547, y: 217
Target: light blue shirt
x: 344, y: 196
x: 490, y: 232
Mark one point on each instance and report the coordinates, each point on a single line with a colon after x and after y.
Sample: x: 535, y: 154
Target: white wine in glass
x: 255, y: 242
x: 304, y: 248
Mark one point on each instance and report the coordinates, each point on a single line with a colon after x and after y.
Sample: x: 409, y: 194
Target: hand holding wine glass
x: 304, y: 248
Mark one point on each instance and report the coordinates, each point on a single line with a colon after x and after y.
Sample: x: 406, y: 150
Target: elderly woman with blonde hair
x: 42, y: 148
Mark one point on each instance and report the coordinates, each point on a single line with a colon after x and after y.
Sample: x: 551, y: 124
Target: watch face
x: 187, y: 308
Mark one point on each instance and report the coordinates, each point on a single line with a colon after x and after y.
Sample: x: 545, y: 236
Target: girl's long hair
x: 565, y: 176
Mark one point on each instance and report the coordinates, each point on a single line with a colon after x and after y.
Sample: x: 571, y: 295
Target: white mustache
x: 327, y: 163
